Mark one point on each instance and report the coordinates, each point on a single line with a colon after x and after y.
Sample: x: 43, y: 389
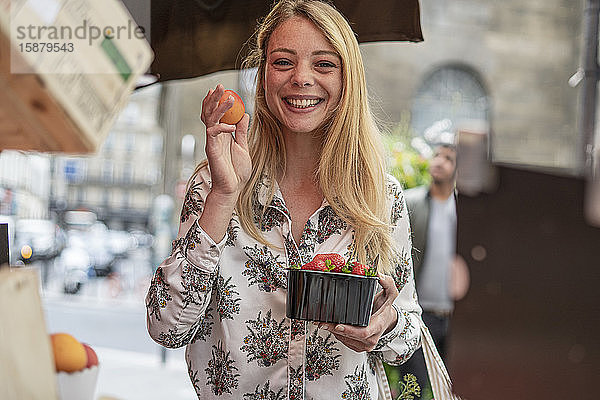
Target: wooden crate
x: 30, y: 117
x: 65, y: 101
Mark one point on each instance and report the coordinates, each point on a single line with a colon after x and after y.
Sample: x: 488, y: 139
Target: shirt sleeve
x: 181, y: 288
x: 399, y: 344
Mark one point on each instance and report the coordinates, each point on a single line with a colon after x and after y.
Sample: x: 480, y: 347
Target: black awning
x: 197, y: 37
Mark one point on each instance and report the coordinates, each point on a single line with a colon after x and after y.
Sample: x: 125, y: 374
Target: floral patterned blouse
x: 226, y: 302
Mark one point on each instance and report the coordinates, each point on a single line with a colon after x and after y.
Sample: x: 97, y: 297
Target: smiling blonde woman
x: 306, y: 178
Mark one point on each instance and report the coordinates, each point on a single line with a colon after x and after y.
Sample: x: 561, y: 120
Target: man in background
x: 432, y: 212
x: 439, y: 275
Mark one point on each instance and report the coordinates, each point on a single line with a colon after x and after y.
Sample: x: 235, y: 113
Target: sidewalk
x: 126, y: 375
x: 130, y: 365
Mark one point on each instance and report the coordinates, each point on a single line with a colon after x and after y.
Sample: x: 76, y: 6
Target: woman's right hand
x: 228, y: 156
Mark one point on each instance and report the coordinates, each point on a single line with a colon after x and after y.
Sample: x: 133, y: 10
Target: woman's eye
x: 325, y: 64
x: 282, y: 62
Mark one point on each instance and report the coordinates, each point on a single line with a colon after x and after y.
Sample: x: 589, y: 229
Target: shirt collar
x: 277, y: 202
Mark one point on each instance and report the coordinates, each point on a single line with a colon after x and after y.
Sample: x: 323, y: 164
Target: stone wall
x: 523, y: 53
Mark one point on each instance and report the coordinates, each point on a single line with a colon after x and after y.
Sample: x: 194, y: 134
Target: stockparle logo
x: 84, y: 31
x: 78, y: 36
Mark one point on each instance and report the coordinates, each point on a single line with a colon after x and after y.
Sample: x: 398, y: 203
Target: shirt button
x: 213, y: 252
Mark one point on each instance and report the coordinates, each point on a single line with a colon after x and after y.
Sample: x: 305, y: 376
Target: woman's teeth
x: 304, y: 103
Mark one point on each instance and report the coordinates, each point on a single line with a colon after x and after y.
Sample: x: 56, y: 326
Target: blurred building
x: 24, y: 184
x: 120, y: 182
x: 503, y: 67
x: 504, y: 64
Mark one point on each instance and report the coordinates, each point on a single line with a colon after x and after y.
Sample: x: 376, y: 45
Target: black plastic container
x: 330, y: 297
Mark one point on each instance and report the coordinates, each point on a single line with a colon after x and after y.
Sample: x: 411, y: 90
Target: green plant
x: 409, y: 388
x: 404, y: 162
x: 406, y: 386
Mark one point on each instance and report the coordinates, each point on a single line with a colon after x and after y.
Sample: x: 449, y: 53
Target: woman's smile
x: 302, y: 103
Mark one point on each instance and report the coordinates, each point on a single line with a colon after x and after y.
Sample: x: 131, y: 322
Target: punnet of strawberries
x: 333, y: 262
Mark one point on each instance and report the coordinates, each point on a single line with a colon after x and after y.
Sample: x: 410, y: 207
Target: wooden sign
x: 26, y: 362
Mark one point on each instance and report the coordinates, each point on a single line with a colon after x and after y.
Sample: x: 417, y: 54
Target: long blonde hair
x: 351, y: 171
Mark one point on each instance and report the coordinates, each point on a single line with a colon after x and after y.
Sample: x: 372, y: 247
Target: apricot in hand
x: 236, y: 112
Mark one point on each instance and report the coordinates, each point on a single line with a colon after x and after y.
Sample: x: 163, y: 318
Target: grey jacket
x: 417, y: 201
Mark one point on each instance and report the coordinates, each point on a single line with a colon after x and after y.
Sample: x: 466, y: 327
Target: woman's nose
x: 302, y: 76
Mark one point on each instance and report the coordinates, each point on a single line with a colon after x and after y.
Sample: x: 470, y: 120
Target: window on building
x: 153, y: 174
x: 109, y: 144
x: 75, y: 170
x: 105, y: 197
x: 81, y: 195
x: 453, y: 93
x: 130, y: 142
x: 126, y: 199
x: 156, y: 141
x: 116, y: 196
x: 127, y: 173
x: 107, y: 171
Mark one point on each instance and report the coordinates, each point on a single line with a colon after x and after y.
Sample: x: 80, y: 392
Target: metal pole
x: 589, y: 87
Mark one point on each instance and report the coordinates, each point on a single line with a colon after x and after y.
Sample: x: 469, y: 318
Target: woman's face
x: 303, y: 76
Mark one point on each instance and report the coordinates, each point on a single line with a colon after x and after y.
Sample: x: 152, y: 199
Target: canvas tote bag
x: 441, y: 384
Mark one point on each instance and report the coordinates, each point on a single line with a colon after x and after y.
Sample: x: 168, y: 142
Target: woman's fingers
x: 379, y: 300
x: 356, y: 338
x: 387, y: 282
x: 217, y: 113
x: 386, y: 297
x: 226, y: 145
x: 212, y: 111
x: 356, y: 345
x: 241, y: 132
x: 208, y: 106
x: 217, y: 129
x: 374, y: 328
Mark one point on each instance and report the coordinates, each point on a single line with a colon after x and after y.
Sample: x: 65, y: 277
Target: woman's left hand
x: 383, y: 319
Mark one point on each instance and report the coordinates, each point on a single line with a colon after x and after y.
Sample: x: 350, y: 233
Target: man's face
x: 442, y: 166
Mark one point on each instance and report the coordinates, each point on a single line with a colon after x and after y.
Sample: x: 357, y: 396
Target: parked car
x: 92, y: 252
x: 143, y: 239
x: 76, y: 263
x: 37, y: 240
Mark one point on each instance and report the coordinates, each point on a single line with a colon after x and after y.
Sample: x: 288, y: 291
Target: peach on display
x: 69, y: 353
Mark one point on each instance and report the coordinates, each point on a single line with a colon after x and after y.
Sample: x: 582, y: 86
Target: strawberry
x: 316, y: 265
x: 361, y: 269
x: 334, y: 261
x: 308, y: 265
x: 371, y: 271
x: 320, y: 265
x: 358, y: 268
